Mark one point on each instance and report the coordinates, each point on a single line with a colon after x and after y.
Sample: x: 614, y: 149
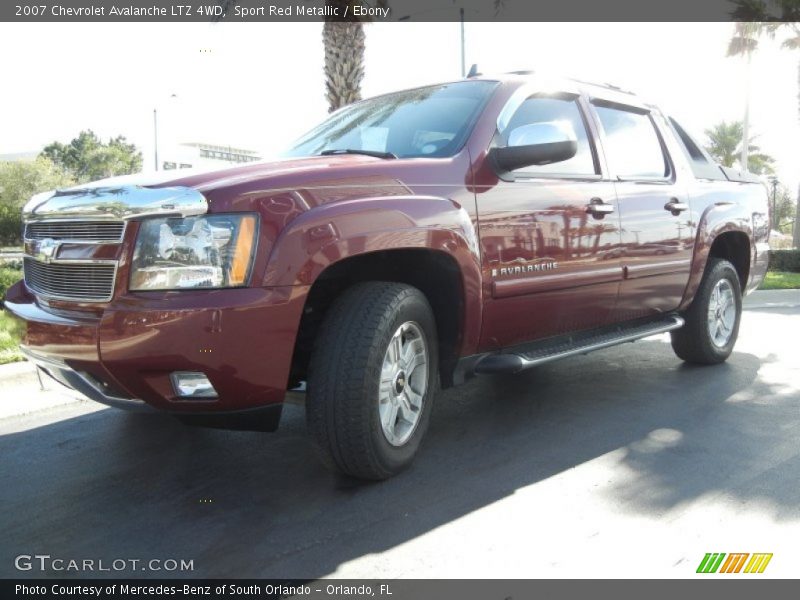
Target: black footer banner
x: 392, y: 589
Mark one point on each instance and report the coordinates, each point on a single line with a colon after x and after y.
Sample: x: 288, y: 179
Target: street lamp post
x: 155, y: 136
x: 463, y: 36
x: 463, y: 44
x: 155, y: 132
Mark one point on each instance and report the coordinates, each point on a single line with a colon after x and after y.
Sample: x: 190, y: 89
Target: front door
x: 550, y: 239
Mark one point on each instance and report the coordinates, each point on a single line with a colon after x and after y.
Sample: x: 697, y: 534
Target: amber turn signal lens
x: 244, y: 250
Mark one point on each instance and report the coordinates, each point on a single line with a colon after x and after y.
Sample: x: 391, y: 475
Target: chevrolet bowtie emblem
x: 46, y: 250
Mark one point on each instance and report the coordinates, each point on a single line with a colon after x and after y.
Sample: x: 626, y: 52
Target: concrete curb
x: 772, y: 299
x: 17, y: 373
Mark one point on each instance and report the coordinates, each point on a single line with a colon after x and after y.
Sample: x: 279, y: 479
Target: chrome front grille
x: 80, y: 282
x: 109, y: 232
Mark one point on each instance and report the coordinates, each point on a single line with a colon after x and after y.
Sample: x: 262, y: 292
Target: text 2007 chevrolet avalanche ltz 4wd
x: 407, y: 243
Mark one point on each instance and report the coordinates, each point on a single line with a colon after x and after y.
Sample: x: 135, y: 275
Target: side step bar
x: 562, y: 347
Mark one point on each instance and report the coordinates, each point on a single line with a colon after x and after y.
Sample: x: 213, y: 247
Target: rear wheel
x: 712, y: 321
x: 372, y: 379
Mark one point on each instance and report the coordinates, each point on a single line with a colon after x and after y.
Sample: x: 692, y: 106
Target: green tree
x: 769, y: 18
x: 18, y: 182
x: 88, y: 158
x: 725, y: 142
x: 783, y: 207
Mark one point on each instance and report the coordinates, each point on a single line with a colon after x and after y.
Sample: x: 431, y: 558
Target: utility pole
x: 745, y: 159
x: 155, y: 136
x: 463, y: 45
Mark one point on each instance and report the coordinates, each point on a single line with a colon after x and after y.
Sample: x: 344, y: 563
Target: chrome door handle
x: 598, y: 208
x: 675, y: 206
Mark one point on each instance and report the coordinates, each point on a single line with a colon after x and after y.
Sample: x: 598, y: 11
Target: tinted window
x: 546, y: 110
x: 702, y: 166
x: 632, y: 145
x: 692, y: 150
x: 426, y: 122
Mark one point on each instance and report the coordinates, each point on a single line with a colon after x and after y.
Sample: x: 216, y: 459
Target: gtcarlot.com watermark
x: 46, y: 563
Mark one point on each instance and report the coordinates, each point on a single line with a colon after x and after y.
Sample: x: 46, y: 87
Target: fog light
x: 192, y: 385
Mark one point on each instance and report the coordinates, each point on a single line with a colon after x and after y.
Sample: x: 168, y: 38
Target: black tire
x: 694, y: 342
x: 342, y: 404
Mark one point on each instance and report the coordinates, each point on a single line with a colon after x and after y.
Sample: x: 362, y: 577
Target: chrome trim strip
x: 82, y: 383
x: 33, y: 312
x: 115, y: 203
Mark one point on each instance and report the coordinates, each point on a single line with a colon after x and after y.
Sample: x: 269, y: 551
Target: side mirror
x: 536, y: 144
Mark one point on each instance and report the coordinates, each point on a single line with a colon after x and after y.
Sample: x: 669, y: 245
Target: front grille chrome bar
x: 91, y: 281
x: 84, y: 232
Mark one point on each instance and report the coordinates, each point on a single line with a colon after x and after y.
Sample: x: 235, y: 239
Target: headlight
x: 212, y: 251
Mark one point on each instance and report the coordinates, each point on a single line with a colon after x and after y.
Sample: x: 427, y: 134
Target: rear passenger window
x: 632, y: 145
x: 702, y: 165
x: 547, y: 110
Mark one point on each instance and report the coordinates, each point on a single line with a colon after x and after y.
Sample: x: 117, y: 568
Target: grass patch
x: 10, y: 334
x: 781, y: 280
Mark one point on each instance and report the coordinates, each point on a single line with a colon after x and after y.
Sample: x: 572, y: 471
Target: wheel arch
x: 434, y: 272
x: 725, y: 231
x: 425, y: 241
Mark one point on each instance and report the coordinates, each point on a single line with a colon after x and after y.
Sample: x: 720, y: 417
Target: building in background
x: 194, y: 154
x: 19, y: 156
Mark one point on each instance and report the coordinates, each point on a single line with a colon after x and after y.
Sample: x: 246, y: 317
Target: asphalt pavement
x: 625, y: 462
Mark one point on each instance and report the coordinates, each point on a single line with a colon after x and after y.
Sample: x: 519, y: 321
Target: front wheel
x: 372, y: 379
x: 712, y: 321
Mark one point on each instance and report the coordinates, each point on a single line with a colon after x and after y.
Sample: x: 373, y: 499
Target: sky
x: 260, y: 85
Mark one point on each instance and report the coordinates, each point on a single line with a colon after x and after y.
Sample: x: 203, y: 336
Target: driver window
x: 547, y: 110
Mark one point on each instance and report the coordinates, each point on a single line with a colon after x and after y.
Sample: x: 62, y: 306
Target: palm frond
x: 792, y: 43
x: 750, y: 10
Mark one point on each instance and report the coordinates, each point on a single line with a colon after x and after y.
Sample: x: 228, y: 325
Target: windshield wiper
x: 375, y: 153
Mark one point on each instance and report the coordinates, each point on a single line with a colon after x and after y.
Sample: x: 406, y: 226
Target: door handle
x: 598, y: 208
x: 675, y: 206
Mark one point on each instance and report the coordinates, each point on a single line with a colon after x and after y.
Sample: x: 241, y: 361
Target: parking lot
x: 621, y: 463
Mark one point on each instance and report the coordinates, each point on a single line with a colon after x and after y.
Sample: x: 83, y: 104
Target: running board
x: 562, y: 347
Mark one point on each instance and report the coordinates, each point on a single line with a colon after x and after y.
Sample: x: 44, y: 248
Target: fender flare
x: 717, y: 219
x: 325, y: 235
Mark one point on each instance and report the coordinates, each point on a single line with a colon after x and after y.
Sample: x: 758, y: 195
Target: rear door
x: 656, y: 227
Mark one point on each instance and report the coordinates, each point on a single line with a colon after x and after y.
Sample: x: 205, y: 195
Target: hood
x: 303, y: 183
x: 276, y: 171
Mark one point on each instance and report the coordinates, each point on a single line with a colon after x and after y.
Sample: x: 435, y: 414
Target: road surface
x: 624, y: 462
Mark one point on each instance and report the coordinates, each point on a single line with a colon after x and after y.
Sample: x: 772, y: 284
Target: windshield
x: 426, y: 122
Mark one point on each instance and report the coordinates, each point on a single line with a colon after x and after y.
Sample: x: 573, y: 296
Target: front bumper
x: 241, y: 339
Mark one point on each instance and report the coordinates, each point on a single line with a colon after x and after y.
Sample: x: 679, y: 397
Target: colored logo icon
x: 717, y: 562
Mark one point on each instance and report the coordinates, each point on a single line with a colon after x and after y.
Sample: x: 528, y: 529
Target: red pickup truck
x: 409, y: 242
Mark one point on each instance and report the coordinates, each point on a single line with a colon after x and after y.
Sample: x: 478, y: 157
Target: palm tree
x: 744, y: 42
x: 725, y: 143
x: 343, y: 39
x: 768, y: 17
